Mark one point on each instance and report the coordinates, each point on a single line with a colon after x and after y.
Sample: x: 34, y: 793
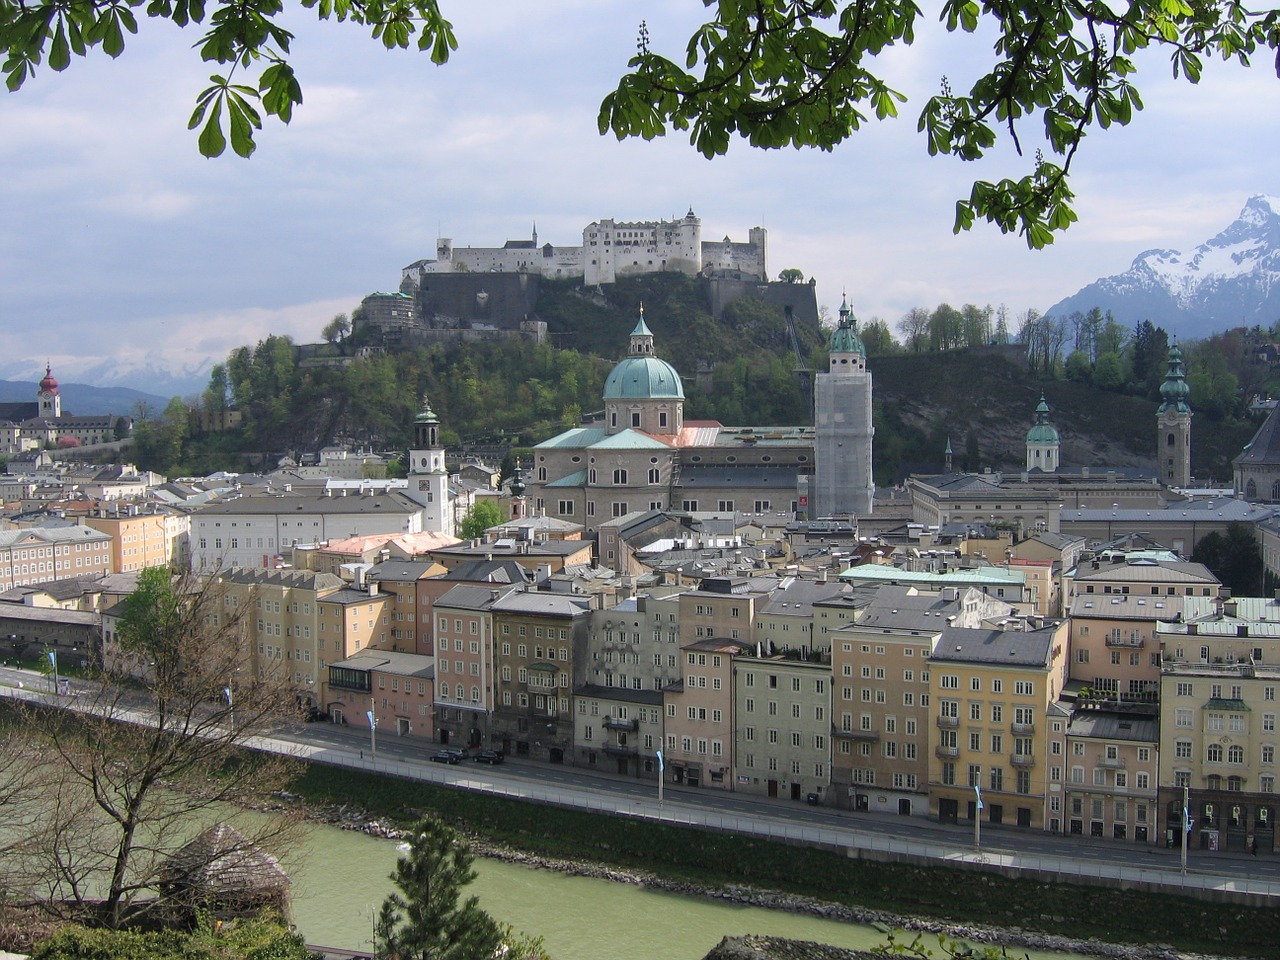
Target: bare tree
x: 155, y: 750
x: 914, y: 327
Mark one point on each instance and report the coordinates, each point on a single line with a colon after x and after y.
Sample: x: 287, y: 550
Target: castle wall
x: 610, y: 249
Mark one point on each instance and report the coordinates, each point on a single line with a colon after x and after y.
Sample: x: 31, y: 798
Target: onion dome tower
x: 1173, y: 424
x: 1042, y: 441
x: 48, y: 397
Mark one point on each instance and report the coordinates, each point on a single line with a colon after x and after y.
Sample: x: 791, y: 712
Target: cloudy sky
x: 124, y: 249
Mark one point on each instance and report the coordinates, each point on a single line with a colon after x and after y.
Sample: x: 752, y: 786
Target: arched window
x: 1251, y: 491
x: 1215, y: 753
x: 1169, y: 440
x: 1235, y: 754
x: 1275, y: 490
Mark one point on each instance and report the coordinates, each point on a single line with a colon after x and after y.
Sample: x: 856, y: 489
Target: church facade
x: 31, y: 426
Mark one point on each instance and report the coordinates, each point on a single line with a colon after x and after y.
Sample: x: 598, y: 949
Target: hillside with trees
x: 971, y: 376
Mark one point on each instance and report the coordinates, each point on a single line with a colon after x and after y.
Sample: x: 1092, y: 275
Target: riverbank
x: 1094, y: 916
x: 355, y: 818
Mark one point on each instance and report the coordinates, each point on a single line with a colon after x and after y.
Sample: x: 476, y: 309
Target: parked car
x: 449, y: 755
x: 488, y: 756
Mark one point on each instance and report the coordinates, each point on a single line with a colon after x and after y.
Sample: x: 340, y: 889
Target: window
x: 949, y: 681
x: 619, y: 477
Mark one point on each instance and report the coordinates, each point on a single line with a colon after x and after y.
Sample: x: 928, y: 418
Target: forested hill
x: 984, y: 401
x: 739, y: 370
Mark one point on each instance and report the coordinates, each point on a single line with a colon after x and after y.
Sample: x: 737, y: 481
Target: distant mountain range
x: 84, y: 400
x: 1231, y: 280
x: 161, y: 381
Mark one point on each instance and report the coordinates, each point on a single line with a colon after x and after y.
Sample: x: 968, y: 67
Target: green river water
x: 341, y: 878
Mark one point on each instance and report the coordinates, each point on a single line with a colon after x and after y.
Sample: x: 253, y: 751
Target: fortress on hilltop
x: 610, y: 249
x: 491, y: 293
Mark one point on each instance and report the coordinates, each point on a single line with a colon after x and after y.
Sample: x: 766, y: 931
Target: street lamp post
x: 977, y: 819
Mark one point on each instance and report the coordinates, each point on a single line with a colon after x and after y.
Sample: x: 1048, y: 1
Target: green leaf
x: 59, y: 51
x: 212, y: 142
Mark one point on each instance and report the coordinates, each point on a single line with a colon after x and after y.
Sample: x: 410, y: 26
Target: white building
x: 610, y: 249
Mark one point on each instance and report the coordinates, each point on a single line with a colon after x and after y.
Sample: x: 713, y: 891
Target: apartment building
x: 466, y: 667
x: 142, y: 536
x: 300, y: 622
x: 396, y: 688
x: 1113, y: 645
x: 402, y: 581
x: 41, y: 554
x: 785, y: 620
x: 617, y: 729
x: 723, y: 607
x: 542, y: 639
x: 991, y: 693
x: 782, y: 726
x: 1110, y: 762
x: 700, y: 714
x: 881, y: 718
x: 635, y: 644
x: 1218, y: 705
x: 1147, y: 573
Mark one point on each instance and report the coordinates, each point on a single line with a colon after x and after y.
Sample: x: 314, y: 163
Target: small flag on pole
x: 227, y: 691
x: 661, y: 765
x: 1187, y: 814
x: 369, y: 714
x: 53, y: 659
x: 977, y: 790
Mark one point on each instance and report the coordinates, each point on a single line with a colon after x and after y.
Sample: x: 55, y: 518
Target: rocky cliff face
x: 1228, y: 281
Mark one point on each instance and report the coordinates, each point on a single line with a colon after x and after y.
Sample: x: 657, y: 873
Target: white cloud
x: 122, y: 242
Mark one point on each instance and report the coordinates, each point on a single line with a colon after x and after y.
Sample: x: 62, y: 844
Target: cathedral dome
x: 642, y: 376
x: 48, y: 383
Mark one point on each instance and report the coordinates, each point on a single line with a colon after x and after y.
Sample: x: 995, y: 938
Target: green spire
x: 844, y: 338
x: 1175, y: 390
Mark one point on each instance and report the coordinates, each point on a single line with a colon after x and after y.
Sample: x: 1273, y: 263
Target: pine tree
x: 423, y: 919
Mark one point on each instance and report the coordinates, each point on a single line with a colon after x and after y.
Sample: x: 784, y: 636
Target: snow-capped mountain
x: 150, y: 375
x: 1232, y: 280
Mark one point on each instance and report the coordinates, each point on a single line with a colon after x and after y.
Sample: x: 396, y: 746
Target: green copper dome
x: 642, y: 376
x: 1175, y: 390
x: 844, y: 338
x: 1043, y: 431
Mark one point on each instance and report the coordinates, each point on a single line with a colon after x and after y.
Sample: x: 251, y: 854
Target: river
x: 341, y: 878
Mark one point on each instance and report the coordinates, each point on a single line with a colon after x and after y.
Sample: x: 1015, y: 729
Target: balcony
x: 947, y: 753
x: 869, y: 735
x: 617, y: 723
x: 1024, y: 728
x: 1022, y: 760
x: 1111, y: 763
x: 1133, y: 643
x: 949, y: 723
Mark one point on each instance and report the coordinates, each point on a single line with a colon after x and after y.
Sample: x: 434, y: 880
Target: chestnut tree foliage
x: 775, y: 73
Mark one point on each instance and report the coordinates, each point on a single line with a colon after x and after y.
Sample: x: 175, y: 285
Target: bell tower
x: 428, y: 479
x: 1173, y: 425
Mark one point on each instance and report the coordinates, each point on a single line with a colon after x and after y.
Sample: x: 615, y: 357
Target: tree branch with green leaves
x: 800, y: 73
x: 776, y: 73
